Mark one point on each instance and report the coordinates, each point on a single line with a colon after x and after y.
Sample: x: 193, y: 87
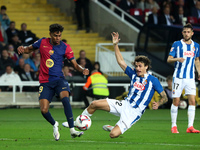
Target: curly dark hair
x: 143, y: 59
x: 56, y: 28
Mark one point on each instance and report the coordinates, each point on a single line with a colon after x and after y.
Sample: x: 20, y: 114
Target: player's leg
x: 46, y: 93
x: 190, y: 91
x: 96, y: 105
x: 63, y: 89
x: 177, y: 88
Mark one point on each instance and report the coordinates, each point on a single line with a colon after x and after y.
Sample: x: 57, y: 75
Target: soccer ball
x: 182, y: 105
x: 83, y: 122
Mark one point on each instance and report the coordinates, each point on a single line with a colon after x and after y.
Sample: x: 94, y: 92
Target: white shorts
x: 179, y: 84
x: 128, y: 114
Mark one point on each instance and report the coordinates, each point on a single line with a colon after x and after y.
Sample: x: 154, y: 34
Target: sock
x: 191, y: 115
x: 49, y: 118
x: 85, y: 112
x: 174, y: 113
x: 68, y: 112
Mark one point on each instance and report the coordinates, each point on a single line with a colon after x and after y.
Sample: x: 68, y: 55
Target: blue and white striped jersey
x: 187, y: 51
x: 142, y: 89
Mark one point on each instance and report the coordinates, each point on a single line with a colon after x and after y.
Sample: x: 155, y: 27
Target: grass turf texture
x: 22, y: 129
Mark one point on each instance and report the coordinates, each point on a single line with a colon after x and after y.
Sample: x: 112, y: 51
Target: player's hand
x: 155, y: 105
x: 115, y: 38
x: 20, y: 49
x: 181, y: 60
x: 86, y: 71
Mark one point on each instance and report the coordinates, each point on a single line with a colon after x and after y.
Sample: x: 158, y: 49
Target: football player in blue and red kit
x: 53, y: 51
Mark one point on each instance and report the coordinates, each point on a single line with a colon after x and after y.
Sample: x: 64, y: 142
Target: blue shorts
x: 49, y: 89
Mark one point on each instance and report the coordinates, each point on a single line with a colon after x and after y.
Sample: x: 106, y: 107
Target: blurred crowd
x: 168, y: 12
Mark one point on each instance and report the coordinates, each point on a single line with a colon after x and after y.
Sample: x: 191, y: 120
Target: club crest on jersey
x: 193, y: 49
x: 139, y: 86
x: 188, y: 54
x: 51, y: 52
x: 173, y: 91
x: 49, y: 63
x: 145, y: 82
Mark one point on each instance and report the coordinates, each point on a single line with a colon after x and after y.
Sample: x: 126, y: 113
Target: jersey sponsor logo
x: 139, y: 86
x: 51, y: 52
x: 49, y: 63
x: 171, y: 49
x: 188, y: 54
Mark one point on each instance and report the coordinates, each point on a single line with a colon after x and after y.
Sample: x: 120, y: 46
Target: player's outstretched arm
x: 25, y: 49
x: 120, y: 59
x: 197, y: 65
x: 76, y: 66
x: 171, y: 59
x: 163, y: 100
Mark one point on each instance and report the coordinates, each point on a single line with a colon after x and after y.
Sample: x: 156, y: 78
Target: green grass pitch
x: 26, y: 129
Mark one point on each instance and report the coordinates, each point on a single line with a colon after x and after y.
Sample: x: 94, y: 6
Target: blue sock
x: 49, y: 118
x: 68, y: 111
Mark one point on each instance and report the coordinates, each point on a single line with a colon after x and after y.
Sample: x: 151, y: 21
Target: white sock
x: 72, y: 130
x: 191, y: 115
x: 174, y: 113
x: 85, y: 112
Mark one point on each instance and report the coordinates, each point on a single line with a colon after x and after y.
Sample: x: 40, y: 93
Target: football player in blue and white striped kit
x: 185, y: 54
x: 142, y: 87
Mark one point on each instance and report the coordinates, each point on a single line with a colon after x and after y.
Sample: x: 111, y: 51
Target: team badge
x: 173, y: 91
x: 193, y: 49
x: 145, y: 82
x: 51, y: 52
x: 49, y: 63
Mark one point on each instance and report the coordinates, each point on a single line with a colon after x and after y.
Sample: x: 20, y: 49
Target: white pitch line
x: 104, y: 142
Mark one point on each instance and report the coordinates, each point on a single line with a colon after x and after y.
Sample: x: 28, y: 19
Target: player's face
x: 140, y: 69
x: 187, y: 34
x: 56, y: 38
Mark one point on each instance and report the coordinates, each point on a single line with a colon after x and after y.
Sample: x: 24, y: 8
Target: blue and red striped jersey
x: 52, y: 57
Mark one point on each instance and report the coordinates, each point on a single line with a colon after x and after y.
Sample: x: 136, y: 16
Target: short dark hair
x: 3, y: 7
x: 188, y: 25
x: 169, y: 78
x: 143, y: 59
x: 56, y: 28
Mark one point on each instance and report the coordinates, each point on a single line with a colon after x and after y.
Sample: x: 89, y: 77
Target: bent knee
x: 44, y: 110
x: 114, y: 135
x: 94, y: 104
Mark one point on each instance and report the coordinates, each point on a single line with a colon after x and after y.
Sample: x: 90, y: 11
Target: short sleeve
x: 173, y: 49
x: 157, y: 86
x: 69, y: 54
x: 129, y: 71
x: 36, y: 45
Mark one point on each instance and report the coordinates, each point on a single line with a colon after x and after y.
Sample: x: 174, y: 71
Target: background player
x: 51, y: 78
x: 185, y: 54
x: 142, y: 87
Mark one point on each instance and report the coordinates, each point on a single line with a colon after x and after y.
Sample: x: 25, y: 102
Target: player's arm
x: 197, y: 65
x: 163, y: 100
x: 25, y: 49
x: 171, y: 59
x: 120, y: 59
x: 76, y: 66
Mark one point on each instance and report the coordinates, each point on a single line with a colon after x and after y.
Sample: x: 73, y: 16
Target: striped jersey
x: 142, y: 89
x: 189, y: 52
x: 52, y: 57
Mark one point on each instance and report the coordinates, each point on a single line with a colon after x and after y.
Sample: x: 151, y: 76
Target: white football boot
x: 108, y: 127
x: 75, y: 134
x: 56, y: 133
